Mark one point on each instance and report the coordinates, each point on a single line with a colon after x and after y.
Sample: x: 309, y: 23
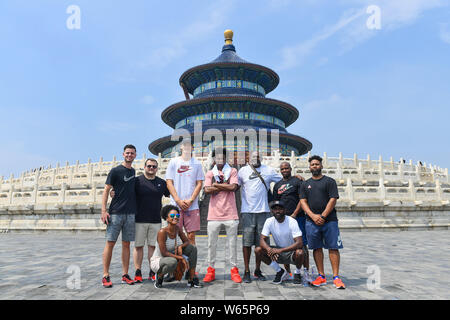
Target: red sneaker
x: 338, y: 283
x: 235, y: 275
x: 106, y: 282
x: 210, y: 275
x: 126, y: 279
x: 319, y: 281
x: 138, y: 276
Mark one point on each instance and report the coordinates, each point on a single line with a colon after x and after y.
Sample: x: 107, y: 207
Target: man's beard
x: 279, y: 217
x: 256, y: 163
x: 317, y: 172
x: 286, y: 175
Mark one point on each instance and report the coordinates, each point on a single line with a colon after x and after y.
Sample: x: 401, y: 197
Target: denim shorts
x: 325, y: 236
x: 118, y: 223
x: 301, y: 224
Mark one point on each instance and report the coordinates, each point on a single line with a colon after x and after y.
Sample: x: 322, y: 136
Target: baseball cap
x: 277, y: 203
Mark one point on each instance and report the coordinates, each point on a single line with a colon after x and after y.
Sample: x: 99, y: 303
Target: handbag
x: 179, y: 271
x: 269, y: 192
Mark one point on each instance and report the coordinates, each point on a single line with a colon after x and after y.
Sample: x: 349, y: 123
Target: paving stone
x: 411, y: 264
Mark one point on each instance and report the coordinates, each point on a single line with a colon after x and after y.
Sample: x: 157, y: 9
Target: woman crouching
x: 172, y: 248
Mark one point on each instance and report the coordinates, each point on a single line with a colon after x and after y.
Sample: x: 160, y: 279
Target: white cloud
x: 295, y: 55
x: 445, y: 32
x: 147, y: 99
x: 404, y: 12
x: 351, y: 29
x: 394, y: 15
x: 322, y: 104
x: 177, y: 43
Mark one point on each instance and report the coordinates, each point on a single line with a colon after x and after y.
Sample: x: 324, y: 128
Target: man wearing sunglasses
x: 149, y: 192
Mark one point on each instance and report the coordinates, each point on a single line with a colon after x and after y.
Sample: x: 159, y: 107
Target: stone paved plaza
x: 412, y: 265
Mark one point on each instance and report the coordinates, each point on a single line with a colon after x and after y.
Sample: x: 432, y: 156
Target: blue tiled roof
x: 229, y: 55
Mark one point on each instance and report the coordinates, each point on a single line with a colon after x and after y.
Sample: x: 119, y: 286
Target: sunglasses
x: 152, y: 166
x: 173, y: 215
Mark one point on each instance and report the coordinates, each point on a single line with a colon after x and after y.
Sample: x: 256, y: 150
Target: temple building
x: 229, y: 93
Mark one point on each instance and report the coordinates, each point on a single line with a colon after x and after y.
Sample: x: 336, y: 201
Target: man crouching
x: 288, y: 243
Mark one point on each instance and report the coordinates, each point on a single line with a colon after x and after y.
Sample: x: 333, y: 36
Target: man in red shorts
x: 184, y: 178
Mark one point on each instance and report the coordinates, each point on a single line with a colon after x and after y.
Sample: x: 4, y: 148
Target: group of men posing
x: 301, y: 216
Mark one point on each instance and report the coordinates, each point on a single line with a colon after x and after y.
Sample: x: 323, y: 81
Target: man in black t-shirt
x: 120, y: 217
x: 288, y: 191
x: 318, y: 198
x: 149, y: 192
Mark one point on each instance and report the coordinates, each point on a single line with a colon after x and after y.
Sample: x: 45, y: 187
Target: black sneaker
x: 158, y: 283
x: 297, y: 278
x: 259, y: 276
x: 247, y: 278
x: 152, y: 276
x: 278, y: 277
x: 195, y: 283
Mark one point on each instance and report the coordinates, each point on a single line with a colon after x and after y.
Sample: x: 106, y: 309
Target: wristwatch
x: 323, y: 217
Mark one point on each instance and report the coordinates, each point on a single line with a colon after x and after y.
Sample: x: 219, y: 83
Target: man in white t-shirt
x: 255, y: 207
x: 288, y: 243
x: 184, y: 177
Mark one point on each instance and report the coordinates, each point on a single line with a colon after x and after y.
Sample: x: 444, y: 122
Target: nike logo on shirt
x: 127, y: 179
x: 183, y: 169
x: 284, y: 188
x: 253, y: 176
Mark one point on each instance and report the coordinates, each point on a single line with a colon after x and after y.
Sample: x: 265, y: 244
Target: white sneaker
x: 307, y: 276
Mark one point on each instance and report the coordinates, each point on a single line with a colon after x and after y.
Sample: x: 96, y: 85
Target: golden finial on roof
x: 228, y: 36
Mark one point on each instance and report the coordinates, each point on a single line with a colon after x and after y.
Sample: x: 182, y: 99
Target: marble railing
x: 374, y: 194
x: 358, y: 180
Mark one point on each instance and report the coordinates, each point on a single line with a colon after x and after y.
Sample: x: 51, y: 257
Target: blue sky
x: 68, y: 95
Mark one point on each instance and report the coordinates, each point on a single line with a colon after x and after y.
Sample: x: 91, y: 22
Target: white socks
x: 275, y: 266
